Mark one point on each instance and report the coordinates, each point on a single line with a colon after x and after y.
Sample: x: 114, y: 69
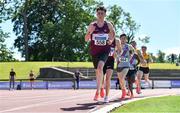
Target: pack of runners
x: 105, y: 49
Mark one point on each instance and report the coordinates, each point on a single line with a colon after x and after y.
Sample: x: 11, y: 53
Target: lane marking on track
x: 112, y: 97
x: 45, y: 103
x: 108, y: 108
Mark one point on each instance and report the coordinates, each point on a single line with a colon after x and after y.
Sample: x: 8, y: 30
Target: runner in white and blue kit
x: 123, y: 62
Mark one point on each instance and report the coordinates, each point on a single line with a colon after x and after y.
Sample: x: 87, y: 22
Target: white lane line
x: 16, y: 95
x: 112, y: 97
x: 108, y: 108
x: 32, y: 98
x: 44, y: 103
x: 30, y: 95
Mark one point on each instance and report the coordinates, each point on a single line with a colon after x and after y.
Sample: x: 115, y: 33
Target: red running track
x: 63, y: 101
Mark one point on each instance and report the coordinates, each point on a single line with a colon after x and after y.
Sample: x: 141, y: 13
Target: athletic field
x: 22, y: 69
x: 166, y: 104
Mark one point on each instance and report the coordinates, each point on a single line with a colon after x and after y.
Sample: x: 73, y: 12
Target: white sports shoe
x: 106, y: 100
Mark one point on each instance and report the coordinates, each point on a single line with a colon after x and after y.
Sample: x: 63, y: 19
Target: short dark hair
x: 133, y: 42
x: 143, y: 47
x: 122, y: 35
x: 102, y: 8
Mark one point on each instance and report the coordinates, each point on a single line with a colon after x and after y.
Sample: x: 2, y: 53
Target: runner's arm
x: 140, y: 57
x: 118, y: 47
x: 112, y: 33
x: 132, y: 49
x: 138, y: 60
x: 90, y: 30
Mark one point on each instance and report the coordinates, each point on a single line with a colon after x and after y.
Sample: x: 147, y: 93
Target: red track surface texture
x: 63, y: 101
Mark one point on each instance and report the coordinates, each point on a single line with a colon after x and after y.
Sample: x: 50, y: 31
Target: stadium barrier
x: 70, y: 83
x: 169, y: 82
x: 44, y: 83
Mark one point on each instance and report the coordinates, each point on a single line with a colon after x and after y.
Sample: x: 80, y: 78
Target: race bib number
x: 123, y: 59
x: 112, y: 51
x: 144, y: 64
x: 100, y: 39
x: 131, y: 68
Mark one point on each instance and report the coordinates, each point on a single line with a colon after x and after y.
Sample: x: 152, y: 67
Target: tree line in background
x: 161, y: 57
x: 49, y: 30
x: 55, y: 29
x: 5, y: 53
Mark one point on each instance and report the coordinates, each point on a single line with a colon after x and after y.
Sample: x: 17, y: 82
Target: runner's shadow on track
x: 84, y: 106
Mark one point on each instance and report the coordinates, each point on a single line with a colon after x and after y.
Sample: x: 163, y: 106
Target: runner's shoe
x: 138, y: 90
x: 106, y: 100
x: 128, y: 93
x: 96, y: 96
x: 123, y: 93
x: 102, y: 93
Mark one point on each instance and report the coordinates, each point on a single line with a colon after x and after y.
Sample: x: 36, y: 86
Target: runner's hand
x: 91, y: 29
x: 109, y: 42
